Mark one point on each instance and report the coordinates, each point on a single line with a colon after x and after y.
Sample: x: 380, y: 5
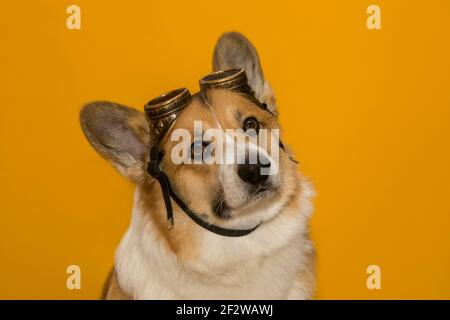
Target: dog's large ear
x: 119, y: 134
x: 233, y: 50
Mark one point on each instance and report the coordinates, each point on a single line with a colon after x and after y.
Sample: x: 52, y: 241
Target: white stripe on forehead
x: 214, y: 114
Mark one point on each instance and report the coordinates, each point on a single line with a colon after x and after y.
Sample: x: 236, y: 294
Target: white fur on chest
x: 262, y: 265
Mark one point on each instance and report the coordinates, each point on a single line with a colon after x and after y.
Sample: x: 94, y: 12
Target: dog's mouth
x: 223, y: 210
x: 261, y: 190
x: 220, y: 207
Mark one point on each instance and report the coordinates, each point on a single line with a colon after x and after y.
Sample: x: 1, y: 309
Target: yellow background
x: 367, y: 113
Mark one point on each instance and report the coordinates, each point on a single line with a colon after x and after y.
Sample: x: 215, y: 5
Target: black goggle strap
x: 154, y: 170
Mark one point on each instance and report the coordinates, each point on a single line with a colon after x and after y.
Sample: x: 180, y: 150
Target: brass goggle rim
x: 171, y: 101
x: 167, y: 103
x: 224, y: 79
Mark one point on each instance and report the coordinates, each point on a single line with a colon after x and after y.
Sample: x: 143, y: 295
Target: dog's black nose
x: 251, y: 173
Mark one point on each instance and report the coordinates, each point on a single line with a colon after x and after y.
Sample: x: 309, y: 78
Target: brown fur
x: 112, y: 289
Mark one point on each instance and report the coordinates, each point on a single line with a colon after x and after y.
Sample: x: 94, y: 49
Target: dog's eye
x: 251, y: 124
x: 197, y: 148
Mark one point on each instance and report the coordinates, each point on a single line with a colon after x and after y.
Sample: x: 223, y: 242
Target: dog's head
x: 223, y: 191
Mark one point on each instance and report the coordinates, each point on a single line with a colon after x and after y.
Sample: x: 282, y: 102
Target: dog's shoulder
x: 112, y: 289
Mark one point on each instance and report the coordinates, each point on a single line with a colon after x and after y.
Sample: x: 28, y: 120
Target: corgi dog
x: 273, y: 258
